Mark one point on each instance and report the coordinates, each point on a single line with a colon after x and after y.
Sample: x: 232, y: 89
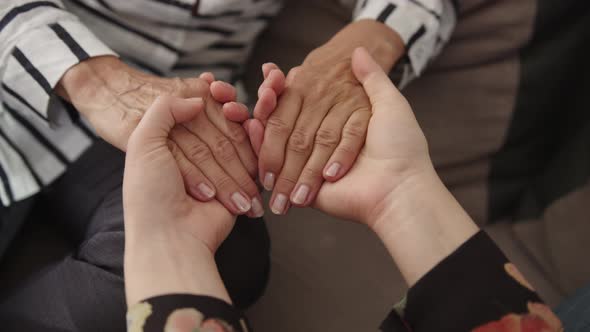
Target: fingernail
x: 257, y: 208
x: 333, y: 169
x: 269, y: 181
x: 300, y: 195
x: 206, y: 190
x: 279, y: 204
x: 241, y: 202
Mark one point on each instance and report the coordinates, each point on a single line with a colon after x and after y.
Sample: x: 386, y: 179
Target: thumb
x: 162, y: 116
x: 376, y: 83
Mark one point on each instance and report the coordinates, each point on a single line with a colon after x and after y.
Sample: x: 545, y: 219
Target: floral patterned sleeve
x: 474, y: 289
x: 184, y: 313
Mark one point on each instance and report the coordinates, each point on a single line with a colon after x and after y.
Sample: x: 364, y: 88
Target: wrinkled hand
x: 395, y: 152
x: 316, y: 131
x: 214, y: 154
x: 170, y: 238
x: 317, y: 127
x: 154, y: 197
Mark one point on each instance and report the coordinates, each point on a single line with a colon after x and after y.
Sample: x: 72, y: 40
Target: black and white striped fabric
x: 425, y: 26
x: 39, y: 40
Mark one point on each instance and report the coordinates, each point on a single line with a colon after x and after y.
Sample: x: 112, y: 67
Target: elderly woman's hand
x: 214, y: 155
x: 170, y: 238
x: 321, y: 118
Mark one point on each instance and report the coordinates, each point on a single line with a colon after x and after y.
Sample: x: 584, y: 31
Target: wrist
x: 158, y: 264
x: 384, y: 44
x: 86, y: 83
x: 421, y: 224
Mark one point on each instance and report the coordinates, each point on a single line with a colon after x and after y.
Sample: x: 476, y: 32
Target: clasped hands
x: 159, y: 211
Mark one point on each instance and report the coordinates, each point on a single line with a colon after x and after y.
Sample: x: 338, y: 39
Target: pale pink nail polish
x: 269, y: 181
x: 257, y: 208
x: 241, y: 202
x: 279, y: 204
x: 300, y: 195
x: 333, y: 169
x: 206, y: 190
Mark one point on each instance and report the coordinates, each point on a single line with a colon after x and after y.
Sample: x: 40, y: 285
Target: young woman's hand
x: 170, y: 238
x: 395, y: 152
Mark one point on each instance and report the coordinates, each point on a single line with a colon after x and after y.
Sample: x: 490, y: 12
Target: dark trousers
x: 85, y: 291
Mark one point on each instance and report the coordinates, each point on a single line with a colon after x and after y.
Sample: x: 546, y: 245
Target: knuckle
x: 163, y: 99
x: 355, y: 130
x: 248, y: 186
x: 278, y: 127
x: 326, y: 139
x: 224, y: 183
x: 198, y: 153
x: 285, y: 182
x: 300, y: 142
x: 311, y: 173
x: 223, y: 150
x: 346, y: 150
x: 237, y: 134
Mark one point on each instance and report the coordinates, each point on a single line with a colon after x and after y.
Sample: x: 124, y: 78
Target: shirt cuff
x: 39, y: 59
x: 425, y: 26
x: 192, y: 312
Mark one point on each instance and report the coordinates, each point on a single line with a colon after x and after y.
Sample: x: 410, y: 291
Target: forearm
x: 384, y: 44
x: 421, y: 225
x: 181, y: 266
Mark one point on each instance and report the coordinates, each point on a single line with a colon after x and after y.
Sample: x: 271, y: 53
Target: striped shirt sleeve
x: 425, y: 26
x: 39, y: 42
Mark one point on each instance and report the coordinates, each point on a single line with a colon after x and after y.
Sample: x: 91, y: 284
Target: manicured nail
x: 279, y: 204
x: 241, y: 202
x: 257, y: 208
x: 300, y: 195
x: 269, y: 181
x: 333, y: 169
x: 206, y: 190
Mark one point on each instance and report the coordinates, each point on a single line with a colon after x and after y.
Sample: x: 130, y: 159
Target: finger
x: 236, y: 112
x: 162, y: 116
x: 267, y: 68
x: 191, y: 87
x: 351, y: 143
x: 299, y: 148
x: 224, y: 152
x: 277, y: 132
x: 207, y: 76
x: 235, y: 134
x: 256, y: 134
x: 291, y: 75
x: 195, y: 182
x: 223, y: 92
x: 326, y: 140
x: 266, y: 104
x: 275, y: 81
x: 376, y: 83
x: 228, y: 192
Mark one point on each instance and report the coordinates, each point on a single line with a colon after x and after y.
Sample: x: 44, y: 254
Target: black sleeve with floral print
x: 474, y: 289
x: 184, y: 313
